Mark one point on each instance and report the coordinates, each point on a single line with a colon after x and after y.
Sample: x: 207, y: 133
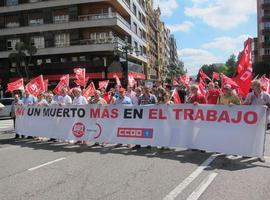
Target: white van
x: 6, y: 111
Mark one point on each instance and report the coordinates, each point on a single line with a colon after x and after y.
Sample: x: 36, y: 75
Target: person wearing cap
x: 212, y: 94
x: 123, y: 99
x: 196, y: 97
x: 78, y: 98
x: 229, y: 97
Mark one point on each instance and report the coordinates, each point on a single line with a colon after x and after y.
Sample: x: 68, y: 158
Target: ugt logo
x: 78, y: 129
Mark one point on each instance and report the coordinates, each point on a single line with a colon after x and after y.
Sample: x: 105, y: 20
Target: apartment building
x: 152, y: 19
x: 263, y: 42
x: 92, y: 34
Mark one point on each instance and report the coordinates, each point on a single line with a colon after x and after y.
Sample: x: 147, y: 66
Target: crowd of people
x: 143, y: 95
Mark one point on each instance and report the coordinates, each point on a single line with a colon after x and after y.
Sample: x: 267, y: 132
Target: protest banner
x: 231, y: 130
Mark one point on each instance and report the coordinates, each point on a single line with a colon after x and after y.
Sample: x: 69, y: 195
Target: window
x: 74, y: 59
x: 11, y: 43
x: 33, y: 22
x: 11, y: 2
x: 63, y: 60
x: 39, y: 61
x: 134, y: 10
x: 267, y: 25
x: 62, y: 40
x: 12, y: 21
x: 61, y: 18
x: 38, y: 42
x: 135, y: 27
x: 266, y: 51
x: 48, y: 60
x: 82, y: 58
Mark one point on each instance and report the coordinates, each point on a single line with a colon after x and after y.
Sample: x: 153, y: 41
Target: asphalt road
x: 46, y: 170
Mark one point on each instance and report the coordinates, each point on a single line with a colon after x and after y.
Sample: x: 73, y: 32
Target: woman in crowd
x: 229, y: 97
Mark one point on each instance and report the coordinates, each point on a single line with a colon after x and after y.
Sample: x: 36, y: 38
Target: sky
x: 209, y: 31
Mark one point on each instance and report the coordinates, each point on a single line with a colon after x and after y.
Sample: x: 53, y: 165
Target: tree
x: 22, y: 58
x: 231, y: 61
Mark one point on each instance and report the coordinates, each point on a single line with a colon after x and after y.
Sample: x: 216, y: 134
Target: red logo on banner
x: 146, y: 133
x: 78, y: 129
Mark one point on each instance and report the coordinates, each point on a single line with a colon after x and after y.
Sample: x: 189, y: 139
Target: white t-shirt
x: 66, y: 100
x: 81, y: 100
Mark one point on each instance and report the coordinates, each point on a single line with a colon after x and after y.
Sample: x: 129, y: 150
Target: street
x: 33, y: 169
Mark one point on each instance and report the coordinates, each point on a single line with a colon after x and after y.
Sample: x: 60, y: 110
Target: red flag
x: 227, y: 80
x: 175, y: 82
x: 16, y: 85
x: 185, y: 79
x: 103, y: 84
x: 131, y: 81
x: 204, y: 76
x: 118, y: 82
x: 244, y: 69
x: 265, y: 84
x: 107, y: 97
x: 89, y: 91
x: 176, y: 97
x: 64, y: 82
x: 80, y: 76
x: 46, y: 83
x: 216, y: 75
x: 201, y: 86
x: 35, y: 86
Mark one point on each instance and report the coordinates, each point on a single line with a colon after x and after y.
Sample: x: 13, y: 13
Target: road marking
x: 175, y: 192
x: 202, y: 187
x: 7, y: 148
x: 267, y: 159
x: 45, y: 164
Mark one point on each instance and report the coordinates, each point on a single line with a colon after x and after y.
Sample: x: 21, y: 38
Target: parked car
x: 6, y: 111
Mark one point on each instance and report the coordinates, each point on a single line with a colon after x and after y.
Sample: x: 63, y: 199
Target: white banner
x: 231, y: 130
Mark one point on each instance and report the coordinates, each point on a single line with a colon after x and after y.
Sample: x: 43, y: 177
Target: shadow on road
x: 183, y: 156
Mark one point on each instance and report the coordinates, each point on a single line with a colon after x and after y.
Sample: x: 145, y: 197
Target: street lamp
x: 126, y: 48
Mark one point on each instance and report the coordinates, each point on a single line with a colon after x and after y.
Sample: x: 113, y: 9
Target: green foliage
x: 22, y: 57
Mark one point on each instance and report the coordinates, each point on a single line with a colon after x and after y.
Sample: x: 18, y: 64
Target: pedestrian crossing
x: 6, y: 125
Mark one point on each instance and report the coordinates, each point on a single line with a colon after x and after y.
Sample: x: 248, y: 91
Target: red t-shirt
x: 197, y: 98
x: 212, y: 96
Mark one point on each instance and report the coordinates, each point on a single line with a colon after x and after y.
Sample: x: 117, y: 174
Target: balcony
x: 266, y: 44
x: 84, y: 21
x: 266, y: 5
x: 52, y: 3
x: 106, y: 44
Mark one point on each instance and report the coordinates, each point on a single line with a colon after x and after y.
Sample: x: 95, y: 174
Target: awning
x: 56, y: 77
x: 134, y: 74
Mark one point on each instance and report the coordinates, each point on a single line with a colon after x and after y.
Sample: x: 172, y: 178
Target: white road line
x: 175, y: 192
x: 45, y: 164
x: 267, y: 159
x: 195, y: 195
